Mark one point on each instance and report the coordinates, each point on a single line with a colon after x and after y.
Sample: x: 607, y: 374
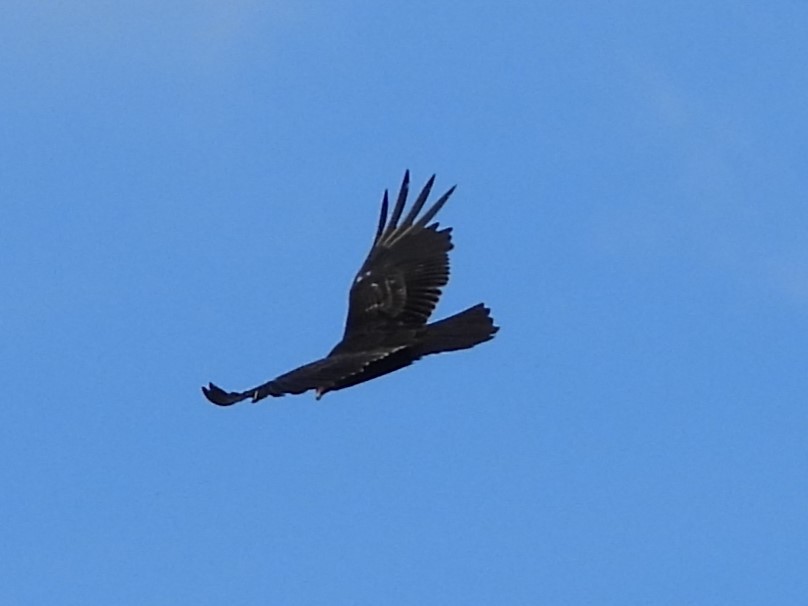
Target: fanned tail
x: 460, y: 331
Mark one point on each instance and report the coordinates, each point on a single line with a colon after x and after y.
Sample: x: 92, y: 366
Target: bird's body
x: 391, y: 299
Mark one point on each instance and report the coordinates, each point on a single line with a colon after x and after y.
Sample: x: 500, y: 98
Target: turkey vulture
x: 391, y: 299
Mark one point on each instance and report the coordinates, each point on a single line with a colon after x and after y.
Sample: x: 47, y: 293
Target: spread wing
x: 400, y: 282
x: 321, y: 375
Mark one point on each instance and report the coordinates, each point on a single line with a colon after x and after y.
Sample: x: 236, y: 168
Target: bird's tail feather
x: 460, y: 331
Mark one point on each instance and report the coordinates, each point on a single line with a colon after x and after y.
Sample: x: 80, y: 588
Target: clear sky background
x: 186, y: 192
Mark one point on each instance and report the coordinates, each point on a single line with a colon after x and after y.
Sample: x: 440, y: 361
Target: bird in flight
x: 390, y: 302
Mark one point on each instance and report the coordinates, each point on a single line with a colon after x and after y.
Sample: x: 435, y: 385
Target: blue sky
x: 187, y: 191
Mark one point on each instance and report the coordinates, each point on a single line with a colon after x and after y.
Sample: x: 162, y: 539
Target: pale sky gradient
x: 187, y: 191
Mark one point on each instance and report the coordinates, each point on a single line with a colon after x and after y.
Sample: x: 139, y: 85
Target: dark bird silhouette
x: 391, y: 299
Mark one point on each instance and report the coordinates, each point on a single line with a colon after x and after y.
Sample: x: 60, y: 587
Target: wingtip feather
x: 216, y: 395
x: 382, y: 217
x: 419, y: 202
x: 400, y: 201
x: 430, y: 214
